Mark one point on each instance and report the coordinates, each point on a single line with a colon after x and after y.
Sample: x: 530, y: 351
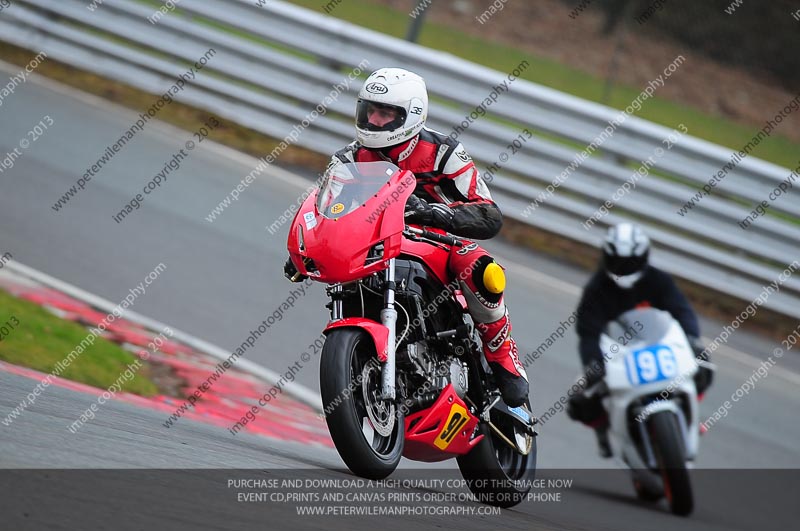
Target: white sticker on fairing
x: 310, y: 220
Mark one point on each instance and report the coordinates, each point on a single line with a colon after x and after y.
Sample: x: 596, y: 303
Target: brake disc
x: 381, y: 413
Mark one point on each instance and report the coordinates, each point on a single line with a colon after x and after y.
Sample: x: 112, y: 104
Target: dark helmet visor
x: 624, y: 265
x: 374, y: 116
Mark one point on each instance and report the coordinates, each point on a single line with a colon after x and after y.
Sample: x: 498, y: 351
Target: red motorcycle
x: 427, y: 394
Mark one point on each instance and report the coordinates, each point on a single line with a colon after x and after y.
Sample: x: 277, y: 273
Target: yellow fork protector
x: 494, y: 279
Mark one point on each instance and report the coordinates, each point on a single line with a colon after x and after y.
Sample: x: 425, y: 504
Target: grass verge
x: 40, y: 340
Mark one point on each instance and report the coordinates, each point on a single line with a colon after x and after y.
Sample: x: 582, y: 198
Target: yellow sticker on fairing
x: 338, y: 208
x: 455, y: 421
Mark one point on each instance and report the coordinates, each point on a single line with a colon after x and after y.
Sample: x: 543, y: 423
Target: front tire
x: 668, y: 446
x: 349, y: 385
x: 495, y: 473
x: 645, y: 492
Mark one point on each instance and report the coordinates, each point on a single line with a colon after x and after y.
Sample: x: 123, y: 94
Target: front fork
x: 389, y: 320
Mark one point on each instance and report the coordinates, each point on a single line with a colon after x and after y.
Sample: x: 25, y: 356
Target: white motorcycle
x: 651, y: 400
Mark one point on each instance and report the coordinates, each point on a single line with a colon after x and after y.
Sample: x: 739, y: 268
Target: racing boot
x: 603, y: 445
x: 501, y: 353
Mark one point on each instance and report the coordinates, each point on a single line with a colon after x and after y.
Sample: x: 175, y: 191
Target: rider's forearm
x: 675, y: 302
x: 477, y: 221
x: 590, y: 352
x: 680, y: 309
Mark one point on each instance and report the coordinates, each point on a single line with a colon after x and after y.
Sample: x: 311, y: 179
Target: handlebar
x: 434, y: 236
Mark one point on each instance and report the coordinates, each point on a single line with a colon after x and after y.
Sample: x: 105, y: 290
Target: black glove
x: 703, y: 379
x: 704, y: 375
x: 583, y: 408
x: 594, y: 373
x: 420, y: 212
x: 574, y: 407
x: 698, y: 347
x: 290, y: 271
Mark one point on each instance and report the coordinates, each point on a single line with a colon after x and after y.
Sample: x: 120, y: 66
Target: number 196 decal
x: 651, y: 364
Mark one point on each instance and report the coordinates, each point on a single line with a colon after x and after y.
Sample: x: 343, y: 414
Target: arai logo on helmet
x: 377, y: 88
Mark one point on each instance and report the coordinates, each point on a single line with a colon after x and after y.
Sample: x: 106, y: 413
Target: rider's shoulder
x: 599, y: 280
x: 446, y: 147
x: 659, y: 278
x: 435, y: 137
x: 348, y: 152
x: 659, y: 275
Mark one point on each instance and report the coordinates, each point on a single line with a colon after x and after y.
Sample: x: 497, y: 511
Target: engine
x: 432, y: 374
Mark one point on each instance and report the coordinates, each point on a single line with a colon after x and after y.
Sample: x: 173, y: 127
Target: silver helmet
x: 625, y: 253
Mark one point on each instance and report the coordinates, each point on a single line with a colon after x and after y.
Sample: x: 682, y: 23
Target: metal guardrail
x: 276, y: 62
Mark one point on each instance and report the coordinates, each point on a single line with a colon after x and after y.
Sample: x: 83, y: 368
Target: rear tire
x: 668, y: 446
x: 492, y: 468
x: 346, y: 398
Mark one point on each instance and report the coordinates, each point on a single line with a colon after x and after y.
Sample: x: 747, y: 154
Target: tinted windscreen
x: 647, y: 325
x: 347, y: 186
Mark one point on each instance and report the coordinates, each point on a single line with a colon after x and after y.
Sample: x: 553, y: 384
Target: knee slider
x: 489, y: 278
x: 494, y: 278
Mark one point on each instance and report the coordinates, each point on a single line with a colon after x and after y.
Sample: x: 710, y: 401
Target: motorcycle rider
x: 450, y: 194
x: 625, y: 281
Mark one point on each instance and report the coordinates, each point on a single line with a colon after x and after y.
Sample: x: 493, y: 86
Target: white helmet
x: 399, y: 93
x: 625, y: 252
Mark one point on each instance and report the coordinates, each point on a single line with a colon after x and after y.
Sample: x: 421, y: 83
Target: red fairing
x: 434, y: 257
x: 339, y: 246
x: 334, y: 239
x: 378, y: 332
x: 442, y: 431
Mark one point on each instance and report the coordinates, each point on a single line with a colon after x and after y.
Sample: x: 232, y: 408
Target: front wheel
x: 496, y: 473
x: 668, y: 446
x: 644, y: 487
x: 367, y: 432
